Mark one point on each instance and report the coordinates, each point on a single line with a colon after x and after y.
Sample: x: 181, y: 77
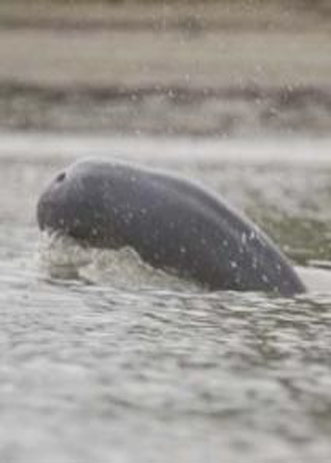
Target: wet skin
x: 173, y: 224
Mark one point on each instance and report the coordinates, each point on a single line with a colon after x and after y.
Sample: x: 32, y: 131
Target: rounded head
x: 73, y: 204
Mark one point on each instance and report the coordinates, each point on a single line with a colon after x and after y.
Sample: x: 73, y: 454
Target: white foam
x: 62, y: 257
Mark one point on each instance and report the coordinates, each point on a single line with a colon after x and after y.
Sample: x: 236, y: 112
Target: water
x: 137, y: 367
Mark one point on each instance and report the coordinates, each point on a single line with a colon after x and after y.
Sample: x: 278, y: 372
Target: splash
x: 63, y: 257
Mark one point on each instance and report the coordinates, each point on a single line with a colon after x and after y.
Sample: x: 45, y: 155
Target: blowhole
x: 60, y: 177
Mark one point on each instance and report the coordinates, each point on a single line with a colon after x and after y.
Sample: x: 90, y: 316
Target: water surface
x: 132, y: 368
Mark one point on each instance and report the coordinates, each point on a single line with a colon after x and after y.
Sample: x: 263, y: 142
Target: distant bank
x: 195, y: 68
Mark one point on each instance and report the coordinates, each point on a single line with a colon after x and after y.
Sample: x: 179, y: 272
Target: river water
x: 120, y: 364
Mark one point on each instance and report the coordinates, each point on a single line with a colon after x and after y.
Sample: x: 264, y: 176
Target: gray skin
x: 172, y: 223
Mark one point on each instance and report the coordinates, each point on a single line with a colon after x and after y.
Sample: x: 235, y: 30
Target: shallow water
x: 99, y: 368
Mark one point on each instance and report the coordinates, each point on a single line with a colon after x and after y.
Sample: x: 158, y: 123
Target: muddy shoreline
x: 207, y: 70
x: 231, y: 111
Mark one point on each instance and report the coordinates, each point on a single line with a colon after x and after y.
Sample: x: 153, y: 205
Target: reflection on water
x: 98, y: 372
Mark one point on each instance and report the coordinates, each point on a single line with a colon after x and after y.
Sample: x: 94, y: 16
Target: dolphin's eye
x: 60, y: 177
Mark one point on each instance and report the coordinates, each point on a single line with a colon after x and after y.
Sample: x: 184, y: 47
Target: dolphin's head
x: 73, y: 204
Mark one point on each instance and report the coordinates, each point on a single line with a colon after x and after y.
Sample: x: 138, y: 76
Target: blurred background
x: 198, y: 68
